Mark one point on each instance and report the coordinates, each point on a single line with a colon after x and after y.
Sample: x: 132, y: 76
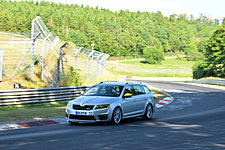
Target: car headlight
x: 70, y: 105
x: 102, y: 106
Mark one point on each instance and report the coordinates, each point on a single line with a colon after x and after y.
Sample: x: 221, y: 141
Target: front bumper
x: 88, y: 116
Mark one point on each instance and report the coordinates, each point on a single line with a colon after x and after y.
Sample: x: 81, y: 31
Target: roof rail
x: 106, y: 82
x: 134, y: 82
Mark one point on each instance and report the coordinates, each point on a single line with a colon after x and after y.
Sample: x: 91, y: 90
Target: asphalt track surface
x: 194, y: 120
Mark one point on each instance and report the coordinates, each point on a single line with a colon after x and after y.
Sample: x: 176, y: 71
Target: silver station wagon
x: 112, y: 101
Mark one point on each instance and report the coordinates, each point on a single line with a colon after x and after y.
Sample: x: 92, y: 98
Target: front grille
x: 82, y: 117
x: 103, y: 117
x: 86, y: 107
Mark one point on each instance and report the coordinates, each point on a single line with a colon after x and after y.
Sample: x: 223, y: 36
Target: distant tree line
x: 122, y: 33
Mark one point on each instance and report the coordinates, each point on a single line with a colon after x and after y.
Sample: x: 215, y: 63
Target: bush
x: 73, y: 79
x: 198, y: 70
x: 25, y: 76
x: 153, y: 55
x: 203, y: 69
x: 193, y: 53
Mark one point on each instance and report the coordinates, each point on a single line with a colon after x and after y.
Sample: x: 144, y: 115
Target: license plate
x: 83, y: 113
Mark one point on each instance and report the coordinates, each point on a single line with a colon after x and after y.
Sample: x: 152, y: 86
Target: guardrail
x: 209, y: 81
x: 37, y: 96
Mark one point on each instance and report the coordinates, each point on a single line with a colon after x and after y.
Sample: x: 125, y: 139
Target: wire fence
x: 59, y: 60
x: 14, y: 46
x: 1, y: 63
x: 45, y: 49
x: 90, y: 63
x: 48, y: 57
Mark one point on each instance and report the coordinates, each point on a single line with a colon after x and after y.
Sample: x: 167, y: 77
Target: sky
x: 210, y: 8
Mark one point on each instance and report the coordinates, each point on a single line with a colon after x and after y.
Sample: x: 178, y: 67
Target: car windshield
x: 104, y: 90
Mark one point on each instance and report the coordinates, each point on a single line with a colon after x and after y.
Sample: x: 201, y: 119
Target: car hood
x: 94, y: 100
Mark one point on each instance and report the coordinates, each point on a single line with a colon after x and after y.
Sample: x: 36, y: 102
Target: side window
x: 138, y: 90
x: 147, y: 91
x: 128, y: 89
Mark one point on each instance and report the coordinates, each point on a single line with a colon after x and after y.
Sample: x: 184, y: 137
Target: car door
x: 139, y: 98
x: 128, y: 103
x: 149, y: 95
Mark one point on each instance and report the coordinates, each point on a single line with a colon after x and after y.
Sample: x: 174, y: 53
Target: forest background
x: 123, y: 33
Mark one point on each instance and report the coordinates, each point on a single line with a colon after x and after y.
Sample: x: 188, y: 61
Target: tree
x: 223, y: 23
x: 215, y: 56
x: 78, y: 38
x: 215, y: 51
x: 153, y: 55
x: 120, y: 33
x: 193, y: 53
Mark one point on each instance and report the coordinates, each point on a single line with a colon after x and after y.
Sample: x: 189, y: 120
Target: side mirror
x: 127, y: 95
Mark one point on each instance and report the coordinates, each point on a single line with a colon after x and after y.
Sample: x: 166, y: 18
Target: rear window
x: 147, y: 91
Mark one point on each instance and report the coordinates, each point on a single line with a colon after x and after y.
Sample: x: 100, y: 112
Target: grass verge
x: 22, y: 113
x: 158, y: 95
x: 175, y: 67
x: 150, y: 74
x: 174, y: 63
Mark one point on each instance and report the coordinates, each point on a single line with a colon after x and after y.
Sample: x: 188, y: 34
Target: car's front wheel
x: 117, y: 115
x: 148, y: 112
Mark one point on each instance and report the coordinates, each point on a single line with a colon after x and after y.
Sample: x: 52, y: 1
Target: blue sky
x: 210, y: 8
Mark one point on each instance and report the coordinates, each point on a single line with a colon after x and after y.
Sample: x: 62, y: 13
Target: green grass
x: 15, y: 113
x: 6, y: 108
x: 141, y: 74
x: 31, y: 113
x: 175, y: 63
x: 175, y: 67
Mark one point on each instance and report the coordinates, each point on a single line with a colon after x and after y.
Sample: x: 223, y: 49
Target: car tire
x: 148, y: 112
x: 116, y: 116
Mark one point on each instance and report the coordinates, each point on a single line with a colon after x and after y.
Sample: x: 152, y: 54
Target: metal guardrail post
x: 33, y: 53
x: 43, y: 59
x: 61, y: 55
x: 98, y: 61
x: 59, y: 63
x: 89, y: 57
x: 58, y: 73
x: 76, y: 53
x: 103, y: 59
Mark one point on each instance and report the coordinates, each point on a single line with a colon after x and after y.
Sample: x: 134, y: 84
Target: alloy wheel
x: 117, y: 115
